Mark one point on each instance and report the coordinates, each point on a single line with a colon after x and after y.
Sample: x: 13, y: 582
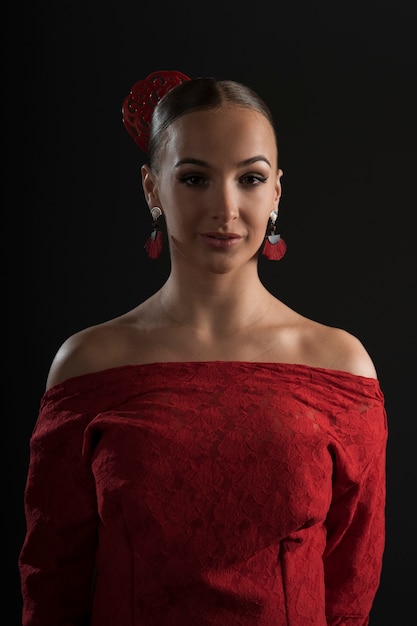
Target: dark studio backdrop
x: 340, y: 79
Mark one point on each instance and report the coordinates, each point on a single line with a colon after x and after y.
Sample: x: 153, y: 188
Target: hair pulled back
x: 200, y: 94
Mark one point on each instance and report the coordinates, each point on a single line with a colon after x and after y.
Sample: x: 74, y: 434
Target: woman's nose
x: 225, y: 206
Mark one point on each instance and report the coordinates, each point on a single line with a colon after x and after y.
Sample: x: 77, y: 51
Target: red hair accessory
x: 139, y: 105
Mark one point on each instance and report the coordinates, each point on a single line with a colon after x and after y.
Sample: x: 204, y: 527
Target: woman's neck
x: 219, y: 305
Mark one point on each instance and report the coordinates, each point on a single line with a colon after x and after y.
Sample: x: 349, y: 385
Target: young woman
x: 211, y: 457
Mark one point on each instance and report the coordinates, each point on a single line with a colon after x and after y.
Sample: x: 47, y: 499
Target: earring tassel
x: 154, y: 244
x: 274, y: 247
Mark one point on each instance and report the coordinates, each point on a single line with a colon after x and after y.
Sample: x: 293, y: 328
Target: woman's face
x: 217, y: 183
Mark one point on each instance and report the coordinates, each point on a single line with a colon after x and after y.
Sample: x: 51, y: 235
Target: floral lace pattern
x: 207, y: 493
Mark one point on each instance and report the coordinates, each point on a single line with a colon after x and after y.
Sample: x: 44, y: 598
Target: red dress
x: 206, y: 494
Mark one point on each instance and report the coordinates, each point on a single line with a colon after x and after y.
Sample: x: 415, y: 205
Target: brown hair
x: 196, y: 95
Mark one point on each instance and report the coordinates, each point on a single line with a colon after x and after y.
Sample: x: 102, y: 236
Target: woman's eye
x: 253, y: 179
x: 192, y: 180
x: 195, y: 180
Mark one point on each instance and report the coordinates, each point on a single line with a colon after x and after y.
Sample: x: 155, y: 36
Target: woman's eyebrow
x: 250, y: 161
x: 258, y: 157
x: 191, y: 161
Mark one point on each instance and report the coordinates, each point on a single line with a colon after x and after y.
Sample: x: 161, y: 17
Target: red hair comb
x: 139, y: 105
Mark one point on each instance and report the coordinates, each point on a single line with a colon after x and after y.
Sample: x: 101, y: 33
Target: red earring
x: 153, y: 246
x: 274, y: 246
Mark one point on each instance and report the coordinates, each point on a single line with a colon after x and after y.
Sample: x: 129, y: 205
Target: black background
x: 341, y: 81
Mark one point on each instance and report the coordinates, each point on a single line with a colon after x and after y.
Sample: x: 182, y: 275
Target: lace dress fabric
x: 207, y: 493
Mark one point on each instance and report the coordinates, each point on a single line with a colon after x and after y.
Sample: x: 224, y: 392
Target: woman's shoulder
x: 112, y: 343
x: 335, y: 348
x: 297, y: 338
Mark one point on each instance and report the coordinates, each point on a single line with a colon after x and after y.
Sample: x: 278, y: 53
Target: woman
x: 211, y: 457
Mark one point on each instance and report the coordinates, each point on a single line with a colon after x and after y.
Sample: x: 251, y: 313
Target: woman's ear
x: 149, y: 186
x: 278, y: 188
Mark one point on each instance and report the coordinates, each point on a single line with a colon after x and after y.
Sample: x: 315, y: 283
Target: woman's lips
x: 221, y: 240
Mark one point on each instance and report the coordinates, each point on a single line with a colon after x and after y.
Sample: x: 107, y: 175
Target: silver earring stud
x: 156, y: 213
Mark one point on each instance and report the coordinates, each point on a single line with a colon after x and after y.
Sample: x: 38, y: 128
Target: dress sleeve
x: 356, y: 520
x: 56, y: 561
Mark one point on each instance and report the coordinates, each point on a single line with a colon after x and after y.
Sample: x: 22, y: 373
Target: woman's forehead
x: 229, y: 126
